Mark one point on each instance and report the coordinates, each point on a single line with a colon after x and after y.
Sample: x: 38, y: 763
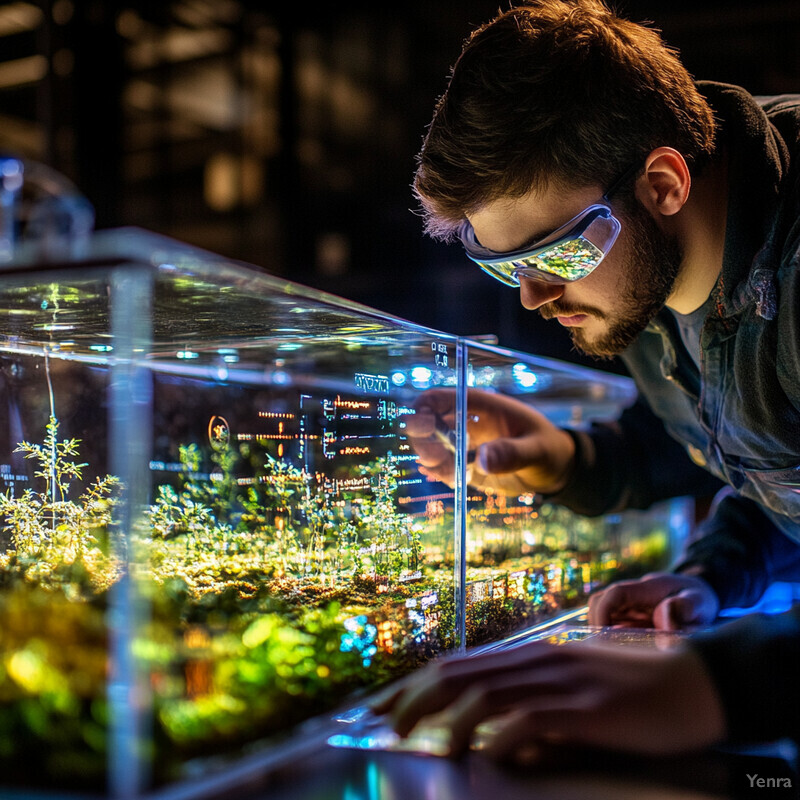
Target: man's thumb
x: 505, y: 455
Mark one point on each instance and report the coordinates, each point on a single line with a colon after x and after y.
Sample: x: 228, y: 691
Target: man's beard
x: 651, y: 269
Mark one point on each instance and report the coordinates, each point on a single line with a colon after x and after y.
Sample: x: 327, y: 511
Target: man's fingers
x: 634, y: 601
x: 496, y: 695
x: 417, y: 702
x: 386, y: 700
x: 435, y: 687
x: 507, y: 455
x: 435, y: 458
x: 423, y: 422
x: 683, y: 610
x: 543, y: 723
x: 613, y: 604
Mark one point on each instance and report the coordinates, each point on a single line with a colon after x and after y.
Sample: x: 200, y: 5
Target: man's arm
x: 739, y: 552
x: 754, y: 663
x: 631, y: 463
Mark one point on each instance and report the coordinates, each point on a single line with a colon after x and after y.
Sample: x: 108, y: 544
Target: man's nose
x: 533, y: 294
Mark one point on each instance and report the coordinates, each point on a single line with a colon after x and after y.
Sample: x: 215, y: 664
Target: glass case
x: 215, y: 520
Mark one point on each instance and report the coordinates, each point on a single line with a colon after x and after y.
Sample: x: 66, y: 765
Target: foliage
x: 267, y: 600
x: 49, y: 528
x: 54, y: 663
x: 282, y: 523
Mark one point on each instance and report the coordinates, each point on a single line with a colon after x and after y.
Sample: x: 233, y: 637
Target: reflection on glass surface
x: 360, y: 729
x: 236, y: 446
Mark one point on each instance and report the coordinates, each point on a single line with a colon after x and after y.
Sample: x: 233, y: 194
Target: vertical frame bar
x: 460, y: 499
x: 130, y: 425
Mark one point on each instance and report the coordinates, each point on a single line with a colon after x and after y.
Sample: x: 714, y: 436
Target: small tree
x: 48, y: 524
x: 392, y: 538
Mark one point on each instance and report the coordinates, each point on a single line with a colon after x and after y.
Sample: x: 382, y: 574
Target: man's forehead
x: 511, y: 223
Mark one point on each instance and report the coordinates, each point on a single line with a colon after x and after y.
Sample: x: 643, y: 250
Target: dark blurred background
x: 284, y: 134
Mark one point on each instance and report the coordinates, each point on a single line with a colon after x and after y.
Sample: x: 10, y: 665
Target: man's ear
x: 664, y: 187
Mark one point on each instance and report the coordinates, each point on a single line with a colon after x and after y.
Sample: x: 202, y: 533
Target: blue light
x: 421, y: 377
x: 398, y: 378
x: 526, y: 380
x: 360, y: 638
x: 536, y: 588
x: 523, y: 376
x: 417, y: 620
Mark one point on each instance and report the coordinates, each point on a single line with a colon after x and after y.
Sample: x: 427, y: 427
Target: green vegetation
x: 267, y: 599
x: 49, y: 530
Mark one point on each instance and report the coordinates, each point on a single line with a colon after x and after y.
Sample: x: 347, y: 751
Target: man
x: 575, y: 158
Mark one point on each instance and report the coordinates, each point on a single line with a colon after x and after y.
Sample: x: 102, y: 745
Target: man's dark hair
x: 554, y: 92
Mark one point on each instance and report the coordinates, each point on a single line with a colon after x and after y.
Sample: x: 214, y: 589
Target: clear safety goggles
x: 568, y: 254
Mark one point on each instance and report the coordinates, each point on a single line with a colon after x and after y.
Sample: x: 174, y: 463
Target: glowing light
x: 352, y: 404
x: 398, y: 378
x: 421, y: 377
x: 187, y: 354
x: 528, y: 538
x: 219, y: 432
x: 373, y: 384
x: 526, y: 380
x: 523, y: 376
x: 229, y: 355
x: 360, y: 638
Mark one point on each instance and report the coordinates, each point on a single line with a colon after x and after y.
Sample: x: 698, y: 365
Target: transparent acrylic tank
x: 214, y: 523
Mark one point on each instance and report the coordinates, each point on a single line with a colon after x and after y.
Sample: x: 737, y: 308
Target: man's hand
x: 658, y: 600
x: 631, y: 699
x: 517, y: 449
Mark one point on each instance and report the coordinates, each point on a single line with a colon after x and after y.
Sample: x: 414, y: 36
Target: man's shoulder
x: 730, y: 101
x: 779, y: 104
x: 783, y: 111
x: 731, y: 94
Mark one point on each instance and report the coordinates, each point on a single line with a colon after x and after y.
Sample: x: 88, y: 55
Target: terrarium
x: 214, y: 521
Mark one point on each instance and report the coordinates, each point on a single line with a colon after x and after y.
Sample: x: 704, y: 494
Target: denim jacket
x: 736, y: 421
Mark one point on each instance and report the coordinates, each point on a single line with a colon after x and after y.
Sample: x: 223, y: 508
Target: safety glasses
x: 570, y: 253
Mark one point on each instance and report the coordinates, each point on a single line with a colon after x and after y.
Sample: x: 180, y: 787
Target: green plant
x: 48, y: 525
x: 394, y: 544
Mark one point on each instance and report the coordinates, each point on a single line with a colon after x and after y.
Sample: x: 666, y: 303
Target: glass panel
x: 527, y: 560
x: 298, y: 547
x: 220, y: 517
x: 60, y: 507
x: 285, y: 550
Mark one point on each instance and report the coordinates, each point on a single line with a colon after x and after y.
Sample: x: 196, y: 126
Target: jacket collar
x: 758, y: 163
